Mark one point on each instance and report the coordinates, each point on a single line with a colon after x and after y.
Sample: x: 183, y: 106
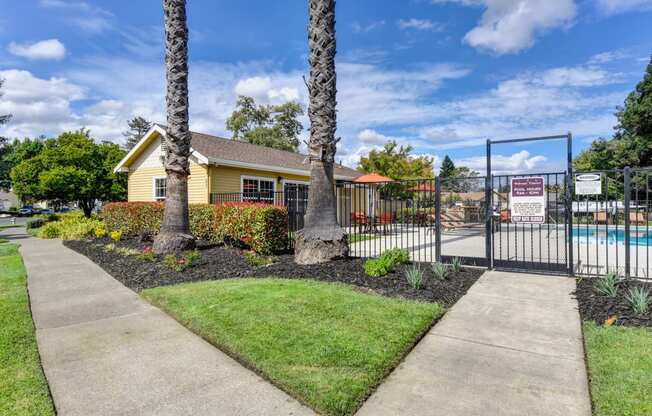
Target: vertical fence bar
x: 569, y: 205
x: 627, y: 197
x: 438, y: 219
x: 488, y: 207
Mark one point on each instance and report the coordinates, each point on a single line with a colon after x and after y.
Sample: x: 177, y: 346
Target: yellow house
x: 220, y: 170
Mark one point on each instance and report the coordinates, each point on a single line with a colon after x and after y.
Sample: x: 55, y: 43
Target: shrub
x: 70, y: 227
x: 414, y: 276
x: 116, y: 235
x: 386, y: 262
x: 608, y: 285
x: 189, y: 259
x: 35, y: 223
x: 439, y: 270
x: 397, y: 256
x: 148, y: 254
x: 100, y: 232
x: 456, y: 264
x: 256, y: 260
x: 377, y: 267
x: 262, y: 227
x: 639, y: 300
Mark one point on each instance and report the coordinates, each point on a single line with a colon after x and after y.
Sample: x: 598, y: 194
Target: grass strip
x: 326, y: 344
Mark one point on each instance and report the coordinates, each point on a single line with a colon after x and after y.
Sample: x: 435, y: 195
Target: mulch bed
x: 596, y: 307
x: 222, y: 262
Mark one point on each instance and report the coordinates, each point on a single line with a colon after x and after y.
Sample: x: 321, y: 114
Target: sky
x: 439, y: 75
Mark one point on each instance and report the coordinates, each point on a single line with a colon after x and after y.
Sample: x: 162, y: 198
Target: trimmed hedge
x: 261, y: 227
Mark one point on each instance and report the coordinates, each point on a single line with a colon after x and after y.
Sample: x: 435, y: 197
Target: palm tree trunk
x: 175, y: 231
x: 322, y: 239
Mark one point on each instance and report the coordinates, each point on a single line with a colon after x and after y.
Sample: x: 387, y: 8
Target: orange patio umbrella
x: 372, y: 178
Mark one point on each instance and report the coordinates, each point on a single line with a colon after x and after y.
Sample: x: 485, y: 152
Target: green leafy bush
x: 148, y: 254
x: 70, y: 227
x: 262, y: 227
x: 256, y: 260
x: 386, y: 262
x: 607, y: 285
x: 639, y: 300
x: 377, y: 267
x: 439, y: 270
x: 179, y: 264
x: 414, y: 276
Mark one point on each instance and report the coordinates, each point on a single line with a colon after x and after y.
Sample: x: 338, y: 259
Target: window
x: 160, y: 185
x: 258, y: 190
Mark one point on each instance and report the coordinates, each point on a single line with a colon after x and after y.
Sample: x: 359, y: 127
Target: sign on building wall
x: 528, y: 200
x: 588, y: 184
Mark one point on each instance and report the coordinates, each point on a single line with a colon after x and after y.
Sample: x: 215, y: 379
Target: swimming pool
x: 639, y: 236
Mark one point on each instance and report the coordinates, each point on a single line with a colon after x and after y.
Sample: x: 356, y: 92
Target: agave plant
x: 608, y: 285
x: 639, y: 300
x: 440, y: 270
x: 456, y: 264
x: 414, y: 276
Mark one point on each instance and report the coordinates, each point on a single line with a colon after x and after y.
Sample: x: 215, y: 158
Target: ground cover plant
x: 23, y: 389
x: 278, y: 327
x: 131, y: 262
x: 386, y: 262
x: 610, y: 298
x: 619, y: 361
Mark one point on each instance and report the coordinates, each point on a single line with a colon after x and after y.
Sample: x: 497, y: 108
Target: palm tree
x: 175, y: 231
x: 322, y: 239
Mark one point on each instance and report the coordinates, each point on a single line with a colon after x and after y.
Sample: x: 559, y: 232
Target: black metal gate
x: 534, y: 247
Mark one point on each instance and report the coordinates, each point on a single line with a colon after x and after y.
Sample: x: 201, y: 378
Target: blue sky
x: 440, y: 75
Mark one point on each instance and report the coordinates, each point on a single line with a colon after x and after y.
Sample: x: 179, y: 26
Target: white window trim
x: 290, y: 181
x: 258, y: 178
x: 154, y: 188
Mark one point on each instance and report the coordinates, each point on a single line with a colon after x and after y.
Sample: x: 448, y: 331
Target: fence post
x: 627, y: 178
x: 570, y: 179
x: 488, y: 208
x: 438, y: 218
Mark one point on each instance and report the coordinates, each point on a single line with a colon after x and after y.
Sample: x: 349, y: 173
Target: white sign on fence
x: 588, y: 184
x: 528, y: 200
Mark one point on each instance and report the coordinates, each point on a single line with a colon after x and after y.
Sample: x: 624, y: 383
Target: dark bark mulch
x: 596, y: 307
x: 221, y: 262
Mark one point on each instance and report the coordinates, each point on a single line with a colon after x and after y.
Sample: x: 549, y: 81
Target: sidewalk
x: 511, y: 346
x: 107, y: 352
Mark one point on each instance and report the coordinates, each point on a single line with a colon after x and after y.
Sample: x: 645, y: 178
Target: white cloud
x: 87, y: 17
x: 420, y: 24
x: 262, y: 89
x: 520, y: 162
x: 370, y: 136
x: 609, y: 56
x: 51, y: 49
x: 611, y: 7
x: 365, y: 28
x: 510, y: 26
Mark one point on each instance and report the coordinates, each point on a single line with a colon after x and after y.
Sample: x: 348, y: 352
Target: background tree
x: 175, y: 231
x: 4, y: 118
x: 447, y: 168
x: 322, y: 239
x: 396, y: 162
x: 71, y: 168
x: 631, y: 144
x: 138, y: 126
x: 275, y: 126
x: 14, y: 153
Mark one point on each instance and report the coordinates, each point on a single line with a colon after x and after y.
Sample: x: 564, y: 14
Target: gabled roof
x: 215, y: 150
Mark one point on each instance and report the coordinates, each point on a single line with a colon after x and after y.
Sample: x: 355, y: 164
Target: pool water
x: 638, y: 237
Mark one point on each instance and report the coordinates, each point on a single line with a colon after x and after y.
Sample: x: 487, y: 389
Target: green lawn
x: 6, y: 226
x: 326, y: 344
x: 356, y: 238
x: 620, y: 369
x: 23, y: 389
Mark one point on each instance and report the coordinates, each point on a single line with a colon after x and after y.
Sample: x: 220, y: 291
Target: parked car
x: 26, y: 211
x: 47, y: 211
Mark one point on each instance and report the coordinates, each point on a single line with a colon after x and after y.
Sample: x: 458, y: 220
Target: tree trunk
x: 175, y: 231
x: 322, y: 239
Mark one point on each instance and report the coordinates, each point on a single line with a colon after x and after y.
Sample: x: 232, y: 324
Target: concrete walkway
x: 107, y: 352
x: 511, y: 346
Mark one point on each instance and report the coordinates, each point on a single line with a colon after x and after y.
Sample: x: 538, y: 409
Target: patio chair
x: 360, y: 220
x: 384, y: 220
x: 601, y: 218
x: 637, y: 218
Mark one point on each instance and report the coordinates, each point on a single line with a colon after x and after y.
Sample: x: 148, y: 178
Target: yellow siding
x: 226, y: 179
x: 141, y: 188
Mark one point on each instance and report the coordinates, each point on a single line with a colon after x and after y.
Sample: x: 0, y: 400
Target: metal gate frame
x: 569, y: 196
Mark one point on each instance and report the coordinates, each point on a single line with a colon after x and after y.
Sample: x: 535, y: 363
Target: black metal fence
x: 470, y: 218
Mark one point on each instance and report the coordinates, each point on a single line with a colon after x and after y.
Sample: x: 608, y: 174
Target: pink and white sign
x: 528, y: 200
